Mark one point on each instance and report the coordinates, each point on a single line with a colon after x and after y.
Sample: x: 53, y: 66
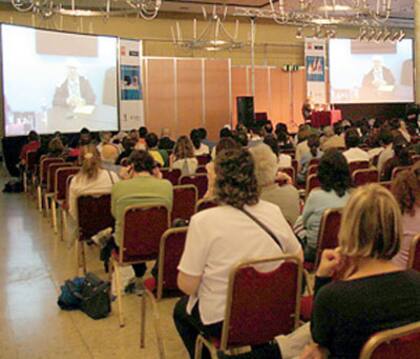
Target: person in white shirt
x: 385, y: 139
x: 354, y: 153
x: 91, y: 179
x: 219, y: 238
x: 200, y: 148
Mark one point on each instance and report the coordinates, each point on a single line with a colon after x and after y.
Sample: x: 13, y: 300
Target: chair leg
x: 119, y: 296
x: 156, y: 324
x: 25, y: 182
x: 200, y: 342
x: 83, y: 255
x: 39, y: 198
x: 143, y: 320
x: 54, y: 215
x: 63, y: 223
x: 46, y: 206
x: 198, y: 347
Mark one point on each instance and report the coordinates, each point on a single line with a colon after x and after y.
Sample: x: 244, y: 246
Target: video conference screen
x: 368, y: 72
x: 54, y: 81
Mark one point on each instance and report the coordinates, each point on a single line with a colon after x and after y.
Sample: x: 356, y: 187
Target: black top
x: 347, y: 313
x: 165, y: 143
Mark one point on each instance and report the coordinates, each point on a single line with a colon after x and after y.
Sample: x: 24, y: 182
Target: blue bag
x: 71, y: 294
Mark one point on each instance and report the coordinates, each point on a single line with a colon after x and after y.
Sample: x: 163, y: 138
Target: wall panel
x: 280, y: 110
x: 189, y: 95
x: 240, y: 87
x: 299, y: 95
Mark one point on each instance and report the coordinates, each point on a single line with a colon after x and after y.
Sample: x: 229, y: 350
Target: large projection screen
x: 55, y: 81
x: 369, y: 72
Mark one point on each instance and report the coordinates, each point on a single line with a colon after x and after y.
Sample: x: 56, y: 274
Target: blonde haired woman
x: 370, y: 294
x: 91, y: 179
x: 183, y: 157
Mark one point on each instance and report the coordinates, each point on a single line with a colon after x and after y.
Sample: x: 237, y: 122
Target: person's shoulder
x: 210, y: 215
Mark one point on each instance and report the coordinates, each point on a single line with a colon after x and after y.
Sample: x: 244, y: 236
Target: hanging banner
x: 315, y: 58
x: 131, y: 86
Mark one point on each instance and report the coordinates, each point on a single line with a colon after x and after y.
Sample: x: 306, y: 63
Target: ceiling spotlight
x: 330, y: 33
x: 387, y: 35
x: 401, y: 35
x: 378, y: 36
x: 371, y: 34
x: 299, y: 33
x: 363, y: 34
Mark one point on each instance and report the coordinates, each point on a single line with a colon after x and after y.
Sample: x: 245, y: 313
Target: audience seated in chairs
x: 334, y: 176
x: 200, y: 148
x: 314, y: 152
x: 372, y: 293
x: 383, y: 149
x: 141, y: 141
x: 220, y: 237
x: 334, y: 141
x: 286, y: 197
x: 406, y: 189
x: 160, y: 156
x: 400, y: 158
x: 143, y: 186
x: 283, y: 159
x: 128, y: 147
x: 165, y: 141
x: 32, y: 145
x: 183, y: 157
x: 90, y: 180
x: 353, y: 152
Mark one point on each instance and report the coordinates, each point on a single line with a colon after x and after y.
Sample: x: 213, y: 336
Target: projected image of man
x: 75, y: 91
x: 379, y: 77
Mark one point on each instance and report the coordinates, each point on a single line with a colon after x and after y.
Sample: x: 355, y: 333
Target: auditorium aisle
x: 33, y: 265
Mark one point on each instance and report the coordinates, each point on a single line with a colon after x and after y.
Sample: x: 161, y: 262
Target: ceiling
x: 401, y: 9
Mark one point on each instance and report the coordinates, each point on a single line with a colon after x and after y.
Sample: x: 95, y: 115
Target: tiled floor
x: 33, y: 265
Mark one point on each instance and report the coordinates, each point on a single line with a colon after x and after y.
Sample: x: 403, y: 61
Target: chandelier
x: 214, y: 36
x: 323, y: 16
x: 147, y: 9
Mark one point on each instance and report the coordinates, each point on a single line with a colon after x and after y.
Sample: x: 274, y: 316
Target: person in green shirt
x: 143, y: 186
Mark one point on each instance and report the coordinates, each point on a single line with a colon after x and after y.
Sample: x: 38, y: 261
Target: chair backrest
x: 414, y: 257
x: 124, y: 162
x: 172, y: 175
x: 255, y: 313
x: 397, y: 170
x: 203, y: 159
x: 60, y: 182
x: 43, y: 167
x: 185, y: 200
x: 365, y: 176
x: 143, y: 227
x: 311, y: 182
x: 290, y: 171
x: 386, y: 184
x: 358, y: 165
x: 51, y: 171
x: 30, y: 161
x: 205, y: 203
x: 328, y: 231
x: 93, y: 214
x: 201, y: 169
x: 314, y: 161
x: 170, y: 251
x: 295, y: 165
x: 313, y: 169
x: 402, y: 342
x: 199, y: 180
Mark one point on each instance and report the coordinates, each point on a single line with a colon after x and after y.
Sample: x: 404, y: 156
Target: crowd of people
x: 373, y: 290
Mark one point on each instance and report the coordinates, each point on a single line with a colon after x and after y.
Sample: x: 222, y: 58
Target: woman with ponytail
x: 406, y: 189
x: 314, y: 152
x: 91, y: 178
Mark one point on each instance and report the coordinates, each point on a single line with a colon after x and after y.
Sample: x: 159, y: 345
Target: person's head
x: 281, y: 127
x: 352, y: 138
x: 385, y: 137
x: 268, y: 127
x: 183, y: 148
x: 377, y: 62
x: 313, y: 144
x: 151, y: 140
x: 338, y: 128
x: 134, y: 135
x: 128, y: 144
x: 256, y: 128
x: 90, y: 160
x: 73, y: 69
x: 334, y: 173
x: 303, y: 133
x: 265, y: 164
x: 406, y: 188
x: 401, y: 150
x: 166, y: 132
x: 109, y: 153
x: 85, y: 136
x: 33, y: 136
x: 55, y: 146
x: 105, y: 136
x: 371, y: 224
x: 141, y: 161
x: 227, y: 143
x: 242, y: 138
x: 236, y: 183
x: 203, y: 133
x: 225, y: 132
x: 272, y: 143
x: 195, y: 139
x: 143, y: 132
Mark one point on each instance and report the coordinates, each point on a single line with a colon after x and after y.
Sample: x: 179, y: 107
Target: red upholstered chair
x: 386, y: 184
x: 42, y: 181
x: 185, y: 200
x: 358, y: 165
x: 255, y: 313
x: 124, y: 162
x: 397, y: 170
x: 311, y: 182
x: 402, y: 342
x: 365, y: 176
x: 48, y: 192
x: 415, y: 158
x: 143, y: 227
x: 93, y: 215
x: 201, y: 169
x: 314, y: 161
x: 205, y: 203
x: 199, y: 180
x: 295, y: 165
x: 172, y: 175
x: 60, y: 192
x: 290, y: 171
x: 203, y: 159
x: 313, y: 169
x: 414, y: 257
x: 170, y: 251
x: 327, y: 239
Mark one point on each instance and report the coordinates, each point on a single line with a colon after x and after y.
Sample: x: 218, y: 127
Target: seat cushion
x: 306, y: 305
